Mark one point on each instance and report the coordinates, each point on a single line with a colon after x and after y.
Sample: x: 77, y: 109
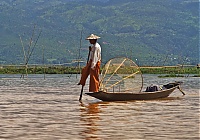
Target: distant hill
x: 150, y: 32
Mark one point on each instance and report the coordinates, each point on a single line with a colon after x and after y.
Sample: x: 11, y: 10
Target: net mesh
x: 121, y: 75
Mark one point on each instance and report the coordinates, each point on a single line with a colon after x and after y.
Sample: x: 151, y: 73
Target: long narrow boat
x: 122, y: 80
x: 104, y: 96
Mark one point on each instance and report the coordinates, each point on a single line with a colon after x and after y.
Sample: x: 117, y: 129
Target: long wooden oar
x: 181, y: 90
x: 82, y: 85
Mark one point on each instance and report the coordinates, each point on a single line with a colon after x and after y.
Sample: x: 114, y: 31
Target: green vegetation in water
x: 198, y: 75
x: 169, y: 71
x: 177, y: 75
x: 173, y: 71
x: 40, y: 70
x: 128, y: 77
x: 170, y: 75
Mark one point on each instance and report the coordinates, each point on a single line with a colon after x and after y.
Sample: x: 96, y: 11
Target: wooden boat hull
x: 132, y: 96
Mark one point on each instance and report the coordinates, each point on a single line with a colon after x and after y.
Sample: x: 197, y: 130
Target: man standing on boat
x: 93, y: 65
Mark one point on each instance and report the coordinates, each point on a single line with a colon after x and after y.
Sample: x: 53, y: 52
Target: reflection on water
x: 90, y: 117
x: 49, y: 109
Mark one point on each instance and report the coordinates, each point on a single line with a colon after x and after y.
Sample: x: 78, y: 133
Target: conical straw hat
x: 92, y: 36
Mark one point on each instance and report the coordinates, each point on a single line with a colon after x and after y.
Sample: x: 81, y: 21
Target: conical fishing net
x: 121, y: 75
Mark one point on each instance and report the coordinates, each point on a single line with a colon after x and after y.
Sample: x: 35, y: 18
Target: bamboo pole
x: 25, y: 59
x: 30, y: 50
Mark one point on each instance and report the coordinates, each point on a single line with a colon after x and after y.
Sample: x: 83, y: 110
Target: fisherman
x: 93, y: 65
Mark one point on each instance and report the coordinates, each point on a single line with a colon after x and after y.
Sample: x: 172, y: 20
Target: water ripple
x: 49, y: 109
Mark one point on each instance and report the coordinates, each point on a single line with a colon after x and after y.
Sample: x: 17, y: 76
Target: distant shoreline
x: 171, y: 71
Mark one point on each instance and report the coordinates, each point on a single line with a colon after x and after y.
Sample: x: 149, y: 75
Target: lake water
x: 48, y: 109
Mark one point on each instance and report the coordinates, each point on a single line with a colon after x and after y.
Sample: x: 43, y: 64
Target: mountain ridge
x: 151, y: 32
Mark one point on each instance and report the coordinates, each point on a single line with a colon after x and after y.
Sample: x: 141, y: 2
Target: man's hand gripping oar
x: 87, y: 63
